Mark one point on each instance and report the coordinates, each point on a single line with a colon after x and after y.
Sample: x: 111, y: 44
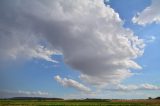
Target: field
x: 79, y: 103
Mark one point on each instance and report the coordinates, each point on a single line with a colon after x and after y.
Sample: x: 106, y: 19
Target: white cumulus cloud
x: 149, y: 15
x: 88, y: 33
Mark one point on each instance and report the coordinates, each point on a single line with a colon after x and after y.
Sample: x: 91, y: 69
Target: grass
x: 79, y: 103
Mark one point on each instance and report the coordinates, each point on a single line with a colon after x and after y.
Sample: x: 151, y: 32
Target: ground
x: 79, y: 103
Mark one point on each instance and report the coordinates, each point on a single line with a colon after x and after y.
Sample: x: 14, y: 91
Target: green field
x: 77, y: 103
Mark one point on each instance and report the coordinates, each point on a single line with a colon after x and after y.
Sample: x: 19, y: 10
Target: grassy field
x: 79, y: 103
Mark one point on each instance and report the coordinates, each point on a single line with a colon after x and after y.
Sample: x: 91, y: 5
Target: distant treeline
x: 157, y: 98
x: 89, y: 100
x: 43, y: 98
x: 34, y: 98
x: 70, y: 100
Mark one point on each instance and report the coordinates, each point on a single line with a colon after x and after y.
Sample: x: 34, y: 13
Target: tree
x: 149, y: 98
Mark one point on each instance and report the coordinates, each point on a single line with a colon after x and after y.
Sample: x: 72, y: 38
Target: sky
x: 80, y: 48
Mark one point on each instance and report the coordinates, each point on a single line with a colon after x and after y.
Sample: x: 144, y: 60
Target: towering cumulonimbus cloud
x: 88, y: 33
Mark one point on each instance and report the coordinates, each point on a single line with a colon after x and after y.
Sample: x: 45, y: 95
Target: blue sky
x: 80, y: 49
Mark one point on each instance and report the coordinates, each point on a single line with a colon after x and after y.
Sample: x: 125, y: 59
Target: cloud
x: 105, y: 1
x: 150, y: 39
x: 149, y: 15
x: 15, y: 47
x: 22, y: 93
x: 88, y: 33
x: 72, y: 83
x: 126, y: 88
x: 120, y: 91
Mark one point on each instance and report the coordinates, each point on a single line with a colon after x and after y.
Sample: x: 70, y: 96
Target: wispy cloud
x: 72, y: 83
x: 22, y: 93
x: 150, y: 39
x: 121, y: 91
x: 128, y: 88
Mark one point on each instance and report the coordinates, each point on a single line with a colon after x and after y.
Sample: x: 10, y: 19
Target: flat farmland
x: 79, y: 103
